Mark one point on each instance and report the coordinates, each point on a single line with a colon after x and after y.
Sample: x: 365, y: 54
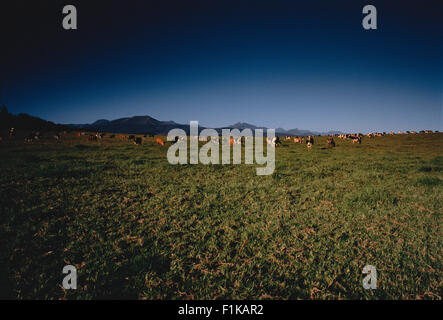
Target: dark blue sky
x: 272, y: 63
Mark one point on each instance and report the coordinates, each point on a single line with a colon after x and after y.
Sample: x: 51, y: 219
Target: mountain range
x: 149, y: 125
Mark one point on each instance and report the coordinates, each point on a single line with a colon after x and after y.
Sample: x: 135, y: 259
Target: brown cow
x: 309, y: 142
x: 356, y: 140
x: 160, y: 141
x: 331, y: 142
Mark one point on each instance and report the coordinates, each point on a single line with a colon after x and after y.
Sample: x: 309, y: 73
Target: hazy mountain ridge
x: 136, y: 125
x: 149, y: 125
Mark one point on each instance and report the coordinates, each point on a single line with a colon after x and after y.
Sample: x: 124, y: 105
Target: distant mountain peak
x: 100, y: 121
x: 243, y: 125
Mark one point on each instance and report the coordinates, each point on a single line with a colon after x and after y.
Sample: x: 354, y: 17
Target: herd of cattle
x: 275, y: 141
x: 133, y: 138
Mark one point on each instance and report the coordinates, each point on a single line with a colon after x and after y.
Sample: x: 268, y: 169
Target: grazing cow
x: 331, y: 142
x: 138, y: 141
x: 274, y: 141
x: 32, y: 136
x: 309, y: 142
x: 57, y: 136
x: 160, y: 141
x: 288, y: 138
x: 298, y: 140
x: 35, y: 135
x: 356, y: 140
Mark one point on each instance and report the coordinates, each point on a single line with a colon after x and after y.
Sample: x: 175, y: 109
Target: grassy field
x: 137, y: 227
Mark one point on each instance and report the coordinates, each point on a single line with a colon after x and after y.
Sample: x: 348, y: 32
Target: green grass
x: 137, y: 227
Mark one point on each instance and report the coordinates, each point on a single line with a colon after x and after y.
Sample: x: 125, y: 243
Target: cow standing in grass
x: 331, y: 142
x: 28, y: 139
x: 160, y: 141
x: 356, y: 140
x: 309, y: 142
